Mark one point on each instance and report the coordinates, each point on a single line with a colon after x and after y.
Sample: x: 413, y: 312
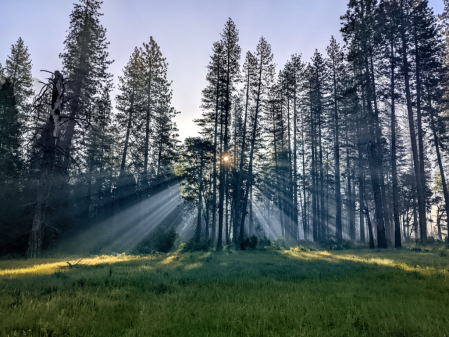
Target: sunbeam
x: 125, y: 230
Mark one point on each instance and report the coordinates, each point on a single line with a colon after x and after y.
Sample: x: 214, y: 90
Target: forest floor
x: 295, y: 292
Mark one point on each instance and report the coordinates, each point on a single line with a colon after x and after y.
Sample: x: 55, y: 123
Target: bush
x: 161, y: 240
x: 264, y: 242
x: 194, y: 246
x: 279, y: 244
x: 253, y: 241
x: 249, y: 243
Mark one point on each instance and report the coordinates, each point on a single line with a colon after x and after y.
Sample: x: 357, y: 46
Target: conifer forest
x: 324, y: 178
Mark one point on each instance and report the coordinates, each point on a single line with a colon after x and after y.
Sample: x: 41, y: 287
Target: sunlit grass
x: 265, y: 293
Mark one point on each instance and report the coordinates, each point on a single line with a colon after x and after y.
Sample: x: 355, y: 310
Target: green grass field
x: 230, y: 293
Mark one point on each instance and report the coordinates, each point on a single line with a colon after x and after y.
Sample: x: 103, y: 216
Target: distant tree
x: 154, y: 86
x: 259, y: 91
x: 85, y: 63
x: 195, y: 159
x: 336, y: 69
x: 358, y: 30
x: 128, y: 106
x: 18, y: 69
x: 2, y: 74
x: 231, y: 57
x: 10, y: 131
x: 212, y: 106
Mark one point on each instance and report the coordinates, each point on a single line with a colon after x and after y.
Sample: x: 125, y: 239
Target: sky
x: 185, y: 31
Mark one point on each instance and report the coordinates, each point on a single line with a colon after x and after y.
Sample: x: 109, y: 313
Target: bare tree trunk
x: 370, y: 229
x: 394, y: 173
x: 242, y: 157
x: 304, y: 215
x: 422, y: 181
x: 147, y: 137
x: 49, y: 138
x: 200, y: 198
x: 361, y: 177
x: 440, y: 162
x: 416, y: 165
x: 128, y: 131
x: 338, y: 206
x: 251, y: 154
x: 214, y: 199
x: 295, y: 167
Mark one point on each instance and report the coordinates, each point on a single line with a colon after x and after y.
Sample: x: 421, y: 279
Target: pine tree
x: 336, y: 68
x: 358, y: 31
x: 10, y: 131
x: 154, y: 83
x: 129, y: 107
x: 195, y: 162
x: 18, y: 69
x: 259, y: 91
x: 85, y: 62
x: 2, y: 74
x: 231, y: 54
x: 212, y: 105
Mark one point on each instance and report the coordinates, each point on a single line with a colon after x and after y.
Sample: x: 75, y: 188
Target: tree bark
x: 50, y: 134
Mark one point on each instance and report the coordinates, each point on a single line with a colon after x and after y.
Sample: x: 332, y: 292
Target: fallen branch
x: 73, y: 265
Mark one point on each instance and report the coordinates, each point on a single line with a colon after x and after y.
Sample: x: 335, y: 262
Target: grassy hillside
x: 292, y: 292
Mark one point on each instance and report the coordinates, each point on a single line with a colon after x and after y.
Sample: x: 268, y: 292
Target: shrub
x: 249, y: 243
x: 194, y: 246
x: 253, y: 241
x: 279, y: 244
x: 264, y: 242
x: 161, y: 240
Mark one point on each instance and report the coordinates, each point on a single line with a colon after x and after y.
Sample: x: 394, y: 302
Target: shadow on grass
x: 269, y: 293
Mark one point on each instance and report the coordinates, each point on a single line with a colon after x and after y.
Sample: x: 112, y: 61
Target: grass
x: 231, y: 293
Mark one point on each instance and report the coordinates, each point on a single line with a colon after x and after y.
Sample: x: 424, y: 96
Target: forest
x: 350, y: 145
x: 311, y: 200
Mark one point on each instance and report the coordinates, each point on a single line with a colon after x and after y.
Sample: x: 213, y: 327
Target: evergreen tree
x: 336, y: 69
x: 259, y: 91
x: 129, y: 108
x: 231, y: 54
x: 10, y: 131
x: 195, y: 162
x: 18, y: 69
x: 154, y: 86
x: 212, y: 106
x: 85, y: 62
x: 2, y: 74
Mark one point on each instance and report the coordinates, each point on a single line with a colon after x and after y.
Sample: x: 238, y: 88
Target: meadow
x: 287, y: 292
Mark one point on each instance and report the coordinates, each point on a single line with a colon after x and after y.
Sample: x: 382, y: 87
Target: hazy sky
x: 185, y: 31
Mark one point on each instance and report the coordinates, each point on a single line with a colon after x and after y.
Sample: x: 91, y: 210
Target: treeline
x: 68, y: 159
x: 350, y: 145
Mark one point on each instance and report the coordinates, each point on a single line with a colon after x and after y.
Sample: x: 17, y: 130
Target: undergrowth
x: 285, y: 292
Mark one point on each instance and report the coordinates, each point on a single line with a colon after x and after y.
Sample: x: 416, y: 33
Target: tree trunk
x: 214, y: 199
x: 50, y: 134
x: 147, y: 137
x: 394, y: 173
x: 416, y: 165
x: 242, y: 157
x: 200, y: 198
x: 338, y: 224
x: 251, y: 154
x: 436, y: 143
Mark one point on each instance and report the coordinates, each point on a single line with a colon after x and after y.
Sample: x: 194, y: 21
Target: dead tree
x: 47, y: 144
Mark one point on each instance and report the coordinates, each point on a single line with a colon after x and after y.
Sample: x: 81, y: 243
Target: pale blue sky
x: 185, y: 31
